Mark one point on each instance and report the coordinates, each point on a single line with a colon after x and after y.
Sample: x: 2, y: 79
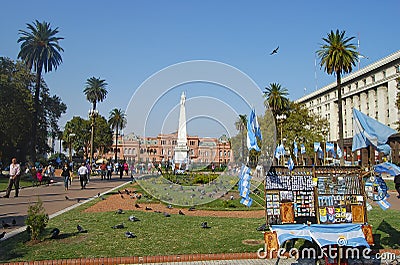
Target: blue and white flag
x: 244, y: 186
x: 338, y: 234
x: 339, y: 152
x: 368, y: 131
x: 279, y: 151
x: 246, y: 201
x: 302, y: 149
x: 290, y: 164
x: 295, y: 149
x: 253, y: 131
x: 330, y: 147
x: 384, y: 204
x: 291, y: 231
x: 317, y: 147
x: 387, y: 167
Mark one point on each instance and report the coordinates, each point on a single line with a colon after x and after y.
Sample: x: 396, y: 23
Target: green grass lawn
x: 156, y: 235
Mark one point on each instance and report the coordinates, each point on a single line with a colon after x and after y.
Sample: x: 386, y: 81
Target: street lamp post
x: 281, y: 118
x: 92, y: 114
x: 70, y: 145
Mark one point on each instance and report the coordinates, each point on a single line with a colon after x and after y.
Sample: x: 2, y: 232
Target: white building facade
x: 372, y: 90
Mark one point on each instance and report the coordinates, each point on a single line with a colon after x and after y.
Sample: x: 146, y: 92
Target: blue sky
x: 125, y: 42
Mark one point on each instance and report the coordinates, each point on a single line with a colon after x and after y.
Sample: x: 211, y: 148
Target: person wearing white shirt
x: 15, y: 173
x: 83, y: 175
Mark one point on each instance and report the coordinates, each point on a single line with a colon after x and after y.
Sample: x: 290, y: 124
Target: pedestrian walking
x: 121, y: 170
x: 15, y: 173
x: 126, y: 168
x: 83, y: 175
x: 109, y: 171
x: 66, y: 174
x: 103, y: 170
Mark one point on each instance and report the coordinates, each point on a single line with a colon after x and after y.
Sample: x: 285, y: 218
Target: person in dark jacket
x: 66, y: 173
x: 397, y: 185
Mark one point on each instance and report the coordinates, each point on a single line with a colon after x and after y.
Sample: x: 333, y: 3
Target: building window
x: 398, y: 68
x: 365, y: 82
x: 384, y: 74
x: 356, y: 84
x: 373, y: 78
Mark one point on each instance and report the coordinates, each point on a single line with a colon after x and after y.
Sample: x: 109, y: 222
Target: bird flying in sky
x: 274, y: 51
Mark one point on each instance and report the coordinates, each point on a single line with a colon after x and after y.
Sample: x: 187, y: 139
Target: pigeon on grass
x: 129, y: 234
x: 133, y: 219
x: 55, y: 232
x: 166, y: 214
x: 119, y: 211
x: 81, y: 229
x: 205, y: 225
x: 119, y: 226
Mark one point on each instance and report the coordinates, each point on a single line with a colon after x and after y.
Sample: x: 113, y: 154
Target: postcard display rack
x: 314, y: 195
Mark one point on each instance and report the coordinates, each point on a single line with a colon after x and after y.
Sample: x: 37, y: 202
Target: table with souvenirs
x: 308, y: 200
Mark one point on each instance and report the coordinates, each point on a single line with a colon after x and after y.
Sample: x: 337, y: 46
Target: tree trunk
x: 116, y: 144
x: 35, y: 112
x: 340, y: 116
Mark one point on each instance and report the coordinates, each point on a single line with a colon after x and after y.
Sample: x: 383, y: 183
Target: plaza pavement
x: 53, y: 198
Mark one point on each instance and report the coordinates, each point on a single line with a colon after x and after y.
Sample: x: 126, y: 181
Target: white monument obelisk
x: 181, y: 149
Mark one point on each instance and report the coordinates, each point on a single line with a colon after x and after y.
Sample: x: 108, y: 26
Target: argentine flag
x: 368, y: 131
x: 295, y: 150
x: 302, y: 149
x: 290, y: 164
x: 330, y: 147
x: 253, y: 131
x: 339, y: 152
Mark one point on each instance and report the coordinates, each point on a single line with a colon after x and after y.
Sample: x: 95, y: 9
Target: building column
x: 382, y: 103
x: 363, y: 102
x: 371, y: 103
x: 393, y: 111
x: 347, y: 119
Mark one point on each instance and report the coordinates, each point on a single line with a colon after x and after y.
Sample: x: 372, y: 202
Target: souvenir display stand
x: 312, y: 198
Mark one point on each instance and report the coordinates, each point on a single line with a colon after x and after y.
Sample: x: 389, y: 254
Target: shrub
x: 37, y: 219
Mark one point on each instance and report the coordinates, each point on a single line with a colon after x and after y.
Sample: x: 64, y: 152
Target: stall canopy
x: 332, y: 234
x: 387, y: 167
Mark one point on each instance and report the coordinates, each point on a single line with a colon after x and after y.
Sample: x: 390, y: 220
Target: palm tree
x: 338, y: 56
x: 40, y: 50
x: 276, y: 97
x: 241, y: 125
x: 117, y: 121
x: 95, y: 91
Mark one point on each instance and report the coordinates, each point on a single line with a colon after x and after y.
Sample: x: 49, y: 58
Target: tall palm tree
x: 276, y: 97
x: 39, y: 50
x: 117, y: 121
x: 241, y: 125
x: 338, y: 56
x: 95, y: 91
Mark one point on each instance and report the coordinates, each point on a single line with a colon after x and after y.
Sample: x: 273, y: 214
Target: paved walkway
x: 53, y: 198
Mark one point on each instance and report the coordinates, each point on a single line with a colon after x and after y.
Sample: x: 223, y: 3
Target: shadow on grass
x: 393, y: 235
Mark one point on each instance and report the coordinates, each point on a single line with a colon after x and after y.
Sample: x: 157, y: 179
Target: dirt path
x: 115, y: 202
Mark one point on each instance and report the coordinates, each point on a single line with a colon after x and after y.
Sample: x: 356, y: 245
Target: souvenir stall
x: 321, y: 204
